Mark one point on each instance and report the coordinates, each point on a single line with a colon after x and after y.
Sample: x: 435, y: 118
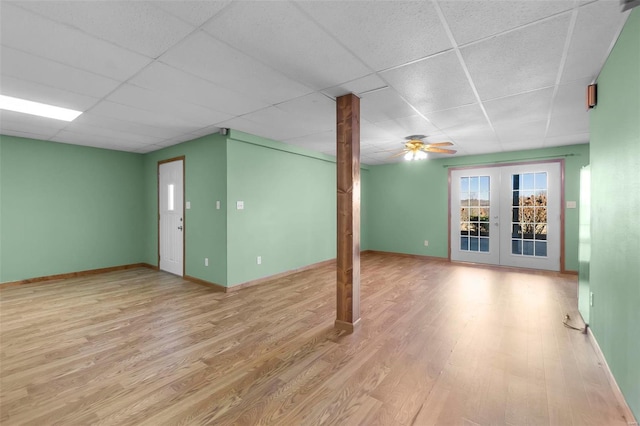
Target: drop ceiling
x: 490, y: 76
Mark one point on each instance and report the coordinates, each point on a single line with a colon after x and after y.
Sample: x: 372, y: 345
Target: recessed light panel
x: 36, y: 108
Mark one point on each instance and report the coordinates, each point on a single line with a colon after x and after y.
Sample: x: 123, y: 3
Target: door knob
x: 180, y: 228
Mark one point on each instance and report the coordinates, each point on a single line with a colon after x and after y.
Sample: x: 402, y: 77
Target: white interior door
x: 170, y: 210
x: 507, y: 215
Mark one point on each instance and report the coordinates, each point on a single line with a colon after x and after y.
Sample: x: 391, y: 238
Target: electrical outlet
x: 591, y: 298
x: 426, y: 243
x: 206, y: 261
x: 259, y: 260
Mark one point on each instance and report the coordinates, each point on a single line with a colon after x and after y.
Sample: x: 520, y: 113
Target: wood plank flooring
x: 439, y: 343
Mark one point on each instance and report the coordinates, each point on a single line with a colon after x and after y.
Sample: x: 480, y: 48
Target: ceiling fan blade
x: 398, y: 154
x: 440, y: 150
x: 439, y: 144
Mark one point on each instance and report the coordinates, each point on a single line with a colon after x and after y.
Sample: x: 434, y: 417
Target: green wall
x: 410, y: 201
x: 615, y: 205
x: 67, y: 208
x: 289, y: 215
x: 205, y: 226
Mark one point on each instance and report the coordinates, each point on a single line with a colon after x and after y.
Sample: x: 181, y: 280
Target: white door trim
x: 183, y: 224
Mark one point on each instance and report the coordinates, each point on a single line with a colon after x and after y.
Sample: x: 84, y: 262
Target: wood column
x: 348, y: 185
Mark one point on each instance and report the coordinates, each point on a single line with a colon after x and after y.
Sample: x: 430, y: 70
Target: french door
x: 507, y: 215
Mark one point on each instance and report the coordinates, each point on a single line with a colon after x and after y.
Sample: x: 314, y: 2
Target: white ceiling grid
x: 490, y: 76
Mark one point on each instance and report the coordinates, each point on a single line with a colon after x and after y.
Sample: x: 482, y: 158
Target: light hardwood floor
x: 439, y: 343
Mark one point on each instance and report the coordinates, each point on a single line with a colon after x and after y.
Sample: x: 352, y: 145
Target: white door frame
x: 561, y: 206
x: 169, y: 160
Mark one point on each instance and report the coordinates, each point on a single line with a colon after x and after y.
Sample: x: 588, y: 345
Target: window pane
x: 473, y: 228
x: 516, y: 247
x: 541, y: 248
x: 484, y: 229
x: 484, y: 214
x: 474, y: 184
x: 464, y: 186
x: 464, y: 243
x: 464, y: 228
x: 527, y: 248
x: 541, y: 180
x: 541, y: 231
x: 527, y: 181
x: 516, y: 231
x: 484, y: 245
x: 464, y: 213
x: 473, y: 244
x: 170, y: 198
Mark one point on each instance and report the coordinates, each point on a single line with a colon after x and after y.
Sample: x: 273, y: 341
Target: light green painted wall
x: 615, y: 208
x: 289, y: 215
x: 67, y: 208
x: 205, y: 227
x: 409, y: 201
x: 584, y: 243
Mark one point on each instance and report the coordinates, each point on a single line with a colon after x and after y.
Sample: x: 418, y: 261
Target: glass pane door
x: 475, y: 194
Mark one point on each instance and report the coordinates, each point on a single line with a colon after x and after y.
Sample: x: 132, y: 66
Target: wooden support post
x: 348, y: 185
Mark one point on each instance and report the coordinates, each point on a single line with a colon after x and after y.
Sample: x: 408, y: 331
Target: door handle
x: 180, y: 228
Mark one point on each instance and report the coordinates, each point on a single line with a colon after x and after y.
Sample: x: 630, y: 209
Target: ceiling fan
x: 416, y: 149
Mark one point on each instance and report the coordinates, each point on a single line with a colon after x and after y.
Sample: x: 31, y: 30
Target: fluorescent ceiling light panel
x: 36, y: 108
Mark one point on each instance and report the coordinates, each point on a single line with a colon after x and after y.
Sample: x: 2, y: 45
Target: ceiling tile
x: 148, y: 100
x: 31, y: 33
x: 37, y: 92
x: 384, y: 105
x: 383, y: 34
x: 315, y: 142
x: 281, y: 36
x: 168, y: 124
x: 567, y: 124
x: 135, y: 25
x: 529, y: 106
x: 400, y: 128
x: 468, y: 115
x: 596, y: 26
x: 571, y: 98
x: 55, y: 75
x: 94, y: 119
x: 433, y: 84
x: 357, y: 86
x: 168, y: 80
x: 509, y: 133
x: 519, y: 61
x: 232, y: 69
x: 27, y: 123
x: 474, y: 138
x: 474, y: 20
x: 572, y: 139
x: 194, y: 12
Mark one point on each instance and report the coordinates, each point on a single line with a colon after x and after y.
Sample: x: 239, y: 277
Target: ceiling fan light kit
x: 416, y: 149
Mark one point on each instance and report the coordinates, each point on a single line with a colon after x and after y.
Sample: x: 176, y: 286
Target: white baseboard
x: 622, y: 403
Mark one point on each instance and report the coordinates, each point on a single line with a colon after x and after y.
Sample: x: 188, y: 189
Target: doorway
x: 171, y: 215
x: 507, y: 215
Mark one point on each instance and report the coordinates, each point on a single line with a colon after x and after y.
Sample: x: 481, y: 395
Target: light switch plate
x: 217, y: 205
x: 571, y: 204
x: 240, y: 205
x: 188, y: 205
